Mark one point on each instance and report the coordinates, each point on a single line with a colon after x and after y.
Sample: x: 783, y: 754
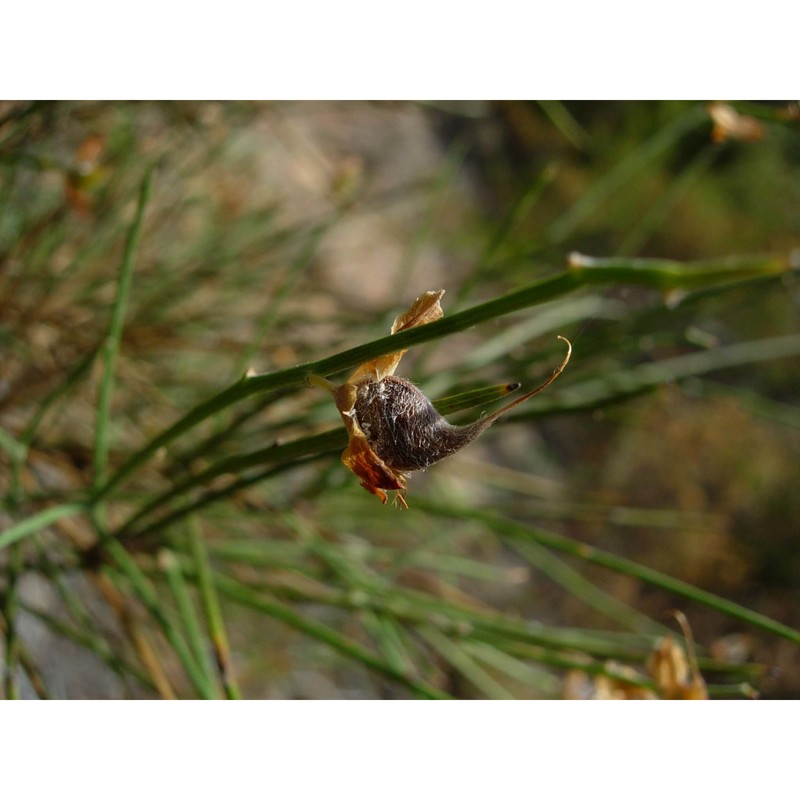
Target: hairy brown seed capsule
x: 403, y: 427
x: 392, y: 428
x: 405, y: 430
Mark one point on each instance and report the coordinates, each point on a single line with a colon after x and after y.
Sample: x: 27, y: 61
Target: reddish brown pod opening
x: 392, y: 427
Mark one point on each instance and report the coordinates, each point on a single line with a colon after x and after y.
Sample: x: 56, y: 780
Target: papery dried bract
x: 426, y: 308
x: 730, y: 124
x: 675, y: 675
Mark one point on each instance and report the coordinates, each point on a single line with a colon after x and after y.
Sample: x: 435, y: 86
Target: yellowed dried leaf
x: 426, y: 308
x: 730, y: 124
x: 677, y: 677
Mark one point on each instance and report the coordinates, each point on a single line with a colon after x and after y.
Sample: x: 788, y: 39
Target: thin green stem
x: 38, y: 521
x: 291, y: 451
x: 573, y: 582
x: 461, y: 660
x: 243, y: 595
x: 516, y: 531
x: 146, y: 593
x: 112, y: 342
x: 618, y: 384
x: 211, y: 607
x: 171, y: 567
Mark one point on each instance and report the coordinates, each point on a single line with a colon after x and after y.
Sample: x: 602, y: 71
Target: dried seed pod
x: 392, y: 427
x: 675, y: 673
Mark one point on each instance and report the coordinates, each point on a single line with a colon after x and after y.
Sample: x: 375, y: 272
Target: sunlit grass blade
x: 504, y: 527
x: 629, y: 381
x: 110, y: 585
x: 390, y: 639
x: 518, y: 670
x: 112, y: 342
x: 462, y: 661
x: 37, y: 522
x: 211, y: 607
x: 146, y: 594
x: 242, y: 595
x: 191, y: 624
x: 579, y: 587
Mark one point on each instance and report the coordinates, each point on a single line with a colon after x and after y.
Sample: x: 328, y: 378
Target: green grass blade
x: 515, y: 668
x: 200, y: 647
x: 147, y: 596
x: 243, y: 595
x: 513, y: 530
x: 628, y: 169
x: 626, y: 382
x: 39, y: 521
x: 390, y: 640
x: 212, y: 609
x: 462, y: 661
x: 112, y: 342
x: 573, y: 582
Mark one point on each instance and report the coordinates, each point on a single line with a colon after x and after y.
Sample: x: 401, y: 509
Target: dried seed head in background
x: 392, y: 428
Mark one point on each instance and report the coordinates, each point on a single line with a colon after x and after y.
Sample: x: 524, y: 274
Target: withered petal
x: 426, y: 308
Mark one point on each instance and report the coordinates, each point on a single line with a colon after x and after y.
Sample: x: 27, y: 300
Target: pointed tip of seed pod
x: 512, y: 387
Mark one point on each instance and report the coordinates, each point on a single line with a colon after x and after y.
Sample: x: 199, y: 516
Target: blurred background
x: 280, y: 233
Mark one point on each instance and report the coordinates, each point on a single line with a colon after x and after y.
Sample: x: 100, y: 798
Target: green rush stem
x: 26, y: 662
x: 583, y: 271
x: 74, y: 376
x: 171, y: 567
x: 245, y: 596
x: 211, y: 607
x: 148, y: 597
x: 562, y: 647
x: 462, y: 661
x: 38, y: 521
x: 390, y: 639
x: 317, y: 444
x: 506, y: 527
x: 112, y: 342
x: 418, y: 608
x: 556, y: 570
x: 571, y: 661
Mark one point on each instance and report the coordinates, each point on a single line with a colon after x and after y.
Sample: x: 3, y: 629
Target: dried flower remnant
x: 392, y: 428
x: 730, y: 124
x: 677, y: 677
x: 86, y: 174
